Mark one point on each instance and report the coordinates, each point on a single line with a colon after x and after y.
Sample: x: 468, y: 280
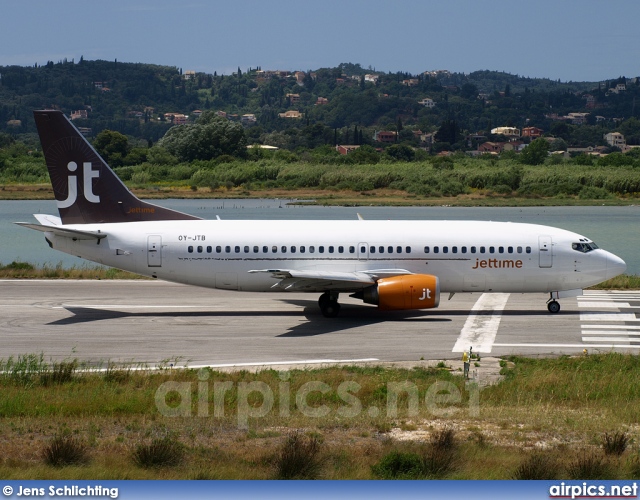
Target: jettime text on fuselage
x: 497, y: 264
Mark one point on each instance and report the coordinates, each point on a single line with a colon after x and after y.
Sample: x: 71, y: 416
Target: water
x: 612, y: 228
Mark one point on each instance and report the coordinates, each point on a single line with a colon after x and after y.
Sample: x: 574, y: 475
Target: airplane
x: 393, y: 264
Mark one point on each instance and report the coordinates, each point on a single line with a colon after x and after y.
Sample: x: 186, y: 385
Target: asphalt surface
x: 153, y: 322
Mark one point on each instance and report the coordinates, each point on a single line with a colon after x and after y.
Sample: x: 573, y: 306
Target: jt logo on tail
x: 87, y: 174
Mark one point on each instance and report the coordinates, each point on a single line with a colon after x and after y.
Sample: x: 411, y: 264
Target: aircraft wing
x: 320, y: 281
x: 64, y: 232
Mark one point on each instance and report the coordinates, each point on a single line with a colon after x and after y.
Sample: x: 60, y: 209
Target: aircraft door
x: 545, y: 251
x: 154, y: 250
x: 363, y: 251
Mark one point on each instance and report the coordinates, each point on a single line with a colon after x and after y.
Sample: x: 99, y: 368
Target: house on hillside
x: 506, y: 131
x: 532, y: 132
x: 385, y: 136
x: 427, y: 102
x: 346, y: 149
x: 615, y: 139
x: 290, y: 114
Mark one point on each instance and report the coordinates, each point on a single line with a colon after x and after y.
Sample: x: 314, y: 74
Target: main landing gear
x: 329, y: 306
x: 553, y: 306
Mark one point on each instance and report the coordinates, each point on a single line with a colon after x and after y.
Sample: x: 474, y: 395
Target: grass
x: 546, y: 415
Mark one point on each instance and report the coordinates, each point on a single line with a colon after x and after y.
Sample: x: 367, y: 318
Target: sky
x: 570, y: 40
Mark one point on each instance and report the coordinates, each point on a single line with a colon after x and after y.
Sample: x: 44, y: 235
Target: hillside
x: 346, y: 104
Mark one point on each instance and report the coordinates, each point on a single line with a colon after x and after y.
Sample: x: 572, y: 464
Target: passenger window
x: 352, y: 249
x: 312, y: 249
x: 463, y: 249
x: 274, y: 249
x: 190, y: 249
x: 293, y: 249
x: 256, y: 249
x: 482, y: 249
x: 398, y: 249
x: 227, y: 249
x: 372, y: 249
x: 510, y: 249
x: 500, y: 249
x: 302, y: 249
x: 407, y: 249
x: 246, y: 249
x: 492, y: 249
x: 389, y: 249
x: 265, y: 249
x: 381, y: 250
x: 445, y: 249
x: 528, y: 249
x: 199, y: 249
x: 283, y: 249
x: 340, y: 249
x: 436, y: 249
x: 209, y: 249
x: 519, y: 249
x: 454, y: 250
x: 218, y: 249
x: 320, y: 249
x: 237, y: 249
x: 331, y: 249
x: 473, y: 249
x: 426, y: 249
x: 363, y: 249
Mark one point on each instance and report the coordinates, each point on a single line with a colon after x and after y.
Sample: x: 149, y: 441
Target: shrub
x: 593, y: 193
x: 616, y: 443
x: 589, y: 466
x: 399, y: 465
x: 65, y: 450
x: 160, y: 452
x: 299, y: 457
x: 440, y: 457
x: 537, y: 466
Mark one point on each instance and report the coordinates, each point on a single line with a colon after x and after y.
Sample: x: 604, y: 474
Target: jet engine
x: 411, y: 291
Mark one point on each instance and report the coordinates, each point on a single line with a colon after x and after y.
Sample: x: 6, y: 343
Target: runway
x: 153, y: 322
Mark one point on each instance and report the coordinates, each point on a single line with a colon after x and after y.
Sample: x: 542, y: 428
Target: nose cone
x: 615, y: 265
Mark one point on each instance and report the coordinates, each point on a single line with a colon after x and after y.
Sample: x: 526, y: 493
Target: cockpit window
x: 584, y: 247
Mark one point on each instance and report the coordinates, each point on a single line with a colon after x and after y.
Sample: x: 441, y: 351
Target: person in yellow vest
x: 466, y: 359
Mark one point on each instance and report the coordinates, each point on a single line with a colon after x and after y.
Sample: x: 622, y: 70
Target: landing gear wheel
x: 329, y: 306
x: 331, y: 309
x: 553, y: 307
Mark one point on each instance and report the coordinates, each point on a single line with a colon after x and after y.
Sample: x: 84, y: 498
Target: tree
x: 535, y: 153
x: 112, y: 146
x: 211, y: 136
x: 400, y: 152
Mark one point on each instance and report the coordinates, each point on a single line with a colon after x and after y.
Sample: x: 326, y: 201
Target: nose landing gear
x: 553, y: 306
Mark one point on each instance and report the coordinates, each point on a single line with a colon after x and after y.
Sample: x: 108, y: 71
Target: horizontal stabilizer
x: 64, y: 232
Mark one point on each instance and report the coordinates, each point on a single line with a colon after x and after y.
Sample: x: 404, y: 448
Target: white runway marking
x: 602, y: 303
x: 615, y: 327
x: 608, y: 316
x: 581, y: 346
x: 272, y: 363
x: 479, y: 331
x: 124, y: 306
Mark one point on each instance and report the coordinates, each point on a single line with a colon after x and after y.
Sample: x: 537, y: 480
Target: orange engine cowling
x: 411, y: 291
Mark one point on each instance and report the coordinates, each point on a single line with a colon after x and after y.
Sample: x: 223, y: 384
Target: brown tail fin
x: 87, y: 191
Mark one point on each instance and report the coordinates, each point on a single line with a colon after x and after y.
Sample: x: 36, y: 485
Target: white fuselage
x: 466, y: 256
